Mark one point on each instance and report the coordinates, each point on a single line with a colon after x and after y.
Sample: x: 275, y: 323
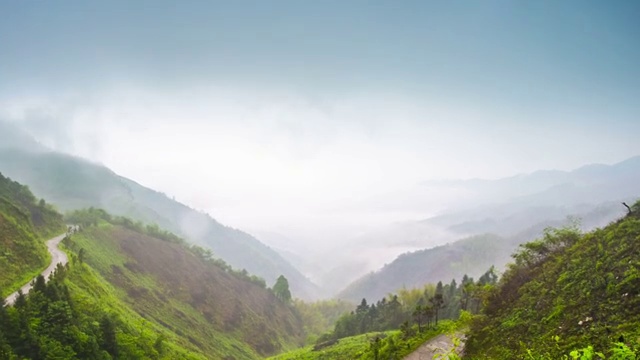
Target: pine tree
x: 281, y: 289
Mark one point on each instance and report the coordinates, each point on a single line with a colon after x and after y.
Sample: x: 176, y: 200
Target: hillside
x: 198, y: 302
x: 565, y: 292
x: 472, y: 256
x: 25, y: 222
x: 129, y: 291
x: 464, y: 208
x: 416, y: 269
x: 73, y: 183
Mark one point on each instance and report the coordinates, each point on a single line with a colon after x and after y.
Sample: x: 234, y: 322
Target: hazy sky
x: 272, y: 113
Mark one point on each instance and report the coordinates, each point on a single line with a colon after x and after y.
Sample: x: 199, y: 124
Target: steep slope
x: 73, y: 183
x: 445, y: 262
x: 565, y: 291
x: 470, y: 256
x: 25, y: 223
x: 504, y: 207
x: 199, y: 303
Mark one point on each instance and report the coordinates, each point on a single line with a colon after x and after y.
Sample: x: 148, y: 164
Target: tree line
x: 91, y: 217
x: 413, y: 311
x: 44, y: 324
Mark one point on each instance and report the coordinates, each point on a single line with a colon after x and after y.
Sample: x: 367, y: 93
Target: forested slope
x: 129, y: 291
x: 74, y: 183
x: 209, y: 307
x: 564, y: 292
x: 25, y: 223
x: 444, y: 262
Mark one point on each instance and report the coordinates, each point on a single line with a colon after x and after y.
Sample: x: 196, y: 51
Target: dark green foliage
x: 281, y: 289
x: 45, y: 325
x: 581, y: 290
x: 108, y: 336
x: 24, y: 223
x: 412, y: 311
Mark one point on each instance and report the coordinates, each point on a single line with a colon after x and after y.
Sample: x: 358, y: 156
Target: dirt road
x: 440, y: 344
x: 57, y: 257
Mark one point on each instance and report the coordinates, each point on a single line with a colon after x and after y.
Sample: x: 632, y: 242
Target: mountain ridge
x: 71, y: 183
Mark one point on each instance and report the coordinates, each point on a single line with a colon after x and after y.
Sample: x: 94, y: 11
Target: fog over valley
x: 252, y: 171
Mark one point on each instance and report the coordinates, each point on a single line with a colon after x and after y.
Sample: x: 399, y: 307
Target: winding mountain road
x: 439, y: 345
x: 57, y: 257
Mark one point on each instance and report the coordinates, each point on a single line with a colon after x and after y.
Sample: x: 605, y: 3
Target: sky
x: 281, y: 115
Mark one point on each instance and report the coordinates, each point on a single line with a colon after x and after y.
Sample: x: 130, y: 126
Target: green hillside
x: 432, y: 265
x: 129, y: 292
x: 74, y: 183
x: 202, y: 303
x: 370, y: 346
x: 565, y: 292
x: 471, y: 255
x: 25, y: 223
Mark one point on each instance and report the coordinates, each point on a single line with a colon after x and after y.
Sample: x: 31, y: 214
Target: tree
x: 281, y: 289
x: 5, y: 350
x: 108, y: 341
x: 437, y: 302
x: 418, y: 316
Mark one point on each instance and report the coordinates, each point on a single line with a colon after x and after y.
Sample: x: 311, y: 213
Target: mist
x: 324, y: 128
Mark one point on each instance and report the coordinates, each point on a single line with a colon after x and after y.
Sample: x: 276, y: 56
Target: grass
x: 158, y: 289
x: 184, y: 328
x: 359, y: 347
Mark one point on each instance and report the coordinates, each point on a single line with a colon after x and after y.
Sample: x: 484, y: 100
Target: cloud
x: 261, y: 157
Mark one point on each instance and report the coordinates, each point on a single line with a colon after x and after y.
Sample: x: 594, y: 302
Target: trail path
x: 440, y: 344
x: 57, y: 257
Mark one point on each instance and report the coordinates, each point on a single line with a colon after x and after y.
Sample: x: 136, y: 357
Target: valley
x: 319, y: 180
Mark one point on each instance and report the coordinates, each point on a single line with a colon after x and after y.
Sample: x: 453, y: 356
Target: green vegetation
x: 46, y: 324
x: 422, y: 308
x: 393, y: 344
x: 568, y: 295
x: 195, y: 302
x: 281, y: 289
x: 25, y: 222
x: 396, y: 325
x: 319, y: 317
x: 131, y: 291
x: 432, y: 265
x: 73, y: 183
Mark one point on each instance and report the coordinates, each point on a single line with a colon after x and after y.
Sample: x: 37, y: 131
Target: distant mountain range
x: 513, y: 210
x: 71, y: 183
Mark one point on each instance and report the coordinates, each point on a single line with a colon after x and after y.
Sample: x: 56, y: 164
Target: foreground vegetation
x: 25, y: 223
x: 396, y: 325
x: 131, y: 291
x: 392, y: 344
x: 183, y: 292
x: 568, y: 295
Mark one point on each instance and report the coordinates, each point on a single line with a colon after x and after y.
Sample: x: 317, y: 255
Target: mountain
x: 540, y: 196
x: 207, y: 307
x: 12, y: 137
x: 466, y: 208
x: 129, y: 291
x: 567, y: 292
x: 25, y: 222
x: 73, y: 183
x: 471, y: 256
